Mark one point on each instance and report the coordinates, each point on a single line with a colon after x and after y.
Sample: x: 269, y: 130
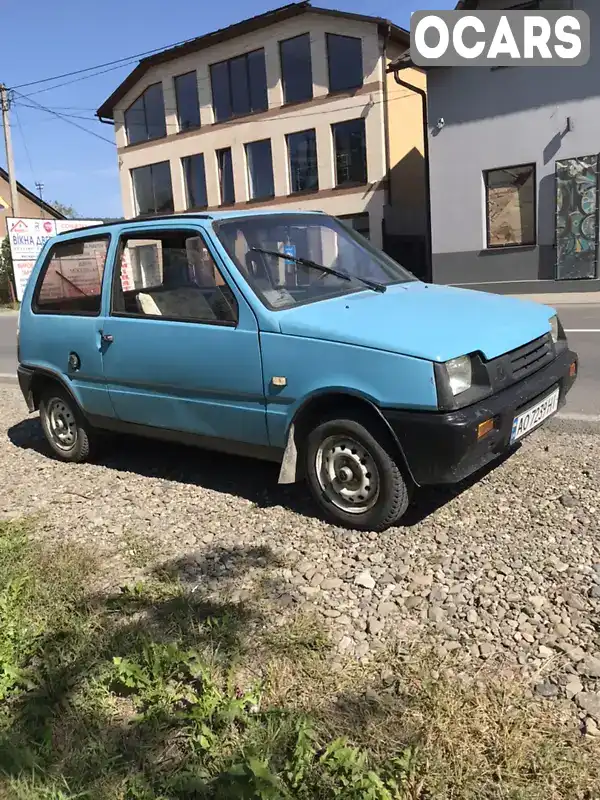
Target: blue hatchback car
x: 285, y: 336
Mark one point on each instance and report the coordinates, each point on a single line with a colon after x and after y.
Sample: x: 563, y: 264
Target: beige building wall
x: 275, y: 123
x: 27, y: 208
x: 406, y: 145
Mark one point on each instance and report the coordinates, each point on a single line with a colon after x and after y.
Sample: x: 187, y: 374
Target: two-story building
x: 294, y: 107
x: 513, y: 158
x: 30, y: 205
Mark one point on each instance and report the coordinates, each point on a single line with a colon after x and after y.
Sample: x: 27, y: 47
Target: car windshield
x: 282, y: 282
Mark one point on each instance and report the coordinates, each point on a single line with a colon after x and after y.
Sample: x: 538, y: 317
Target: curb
x: 570, y: 422
x: 561, y: 299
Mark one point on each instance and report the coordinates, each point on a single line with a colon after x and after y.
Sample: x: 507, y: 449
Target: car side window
x: 70, y: 281
x: 171, y: 275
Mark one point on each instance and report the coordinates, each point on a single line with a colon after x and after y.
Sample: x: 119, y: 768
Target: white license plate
x: 534, y: 416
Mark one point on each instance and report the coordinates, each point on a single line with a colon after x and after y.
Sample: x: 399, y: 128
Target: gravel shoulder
x: 506, y: 570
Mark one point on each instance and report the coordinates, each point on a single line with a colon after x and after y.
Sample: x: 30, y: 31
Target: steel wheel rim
x: 61, y: 424
x: 347, y: 474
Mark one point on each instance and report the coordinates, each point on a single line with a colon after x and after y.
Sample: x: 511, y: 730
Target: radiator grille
x: 533, y: 356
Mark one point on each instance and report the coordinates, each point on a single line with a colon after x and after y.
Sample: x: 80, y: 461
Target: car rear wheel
x: 67, y: 432
x: 353, y: 474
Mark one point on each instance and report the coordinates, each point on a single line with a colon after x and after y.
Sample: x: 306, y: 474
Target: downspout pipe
x: 428, y: 245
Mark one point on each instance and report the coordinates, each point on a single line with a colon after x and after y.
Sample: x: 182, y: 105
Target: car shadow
x: 252, y: 479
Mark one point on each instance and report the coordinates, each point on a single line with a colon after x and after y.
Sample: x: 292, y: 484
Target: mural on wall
x: 577, y: 218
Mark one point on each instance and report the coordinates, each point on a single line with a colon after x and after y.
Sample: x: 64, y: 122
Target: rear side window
x: 71, y: 278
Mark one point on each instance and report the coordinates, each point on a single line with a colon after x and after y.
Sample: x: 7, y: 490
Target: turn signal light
x: 572, y: 370
x: 484, y: 428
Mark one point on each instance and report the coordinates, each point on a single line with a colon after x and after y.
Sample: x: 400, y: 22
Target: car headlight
x: 554, y: 331
x: 460, y: 374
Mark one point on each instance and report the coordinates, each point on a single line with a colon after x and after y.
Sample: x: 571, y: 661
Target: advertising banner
x: 28, y: 236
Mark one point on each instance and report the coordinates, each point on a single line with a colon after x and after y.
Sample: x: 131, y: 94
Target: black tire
x: 394, y: 491
x: 55, y: 399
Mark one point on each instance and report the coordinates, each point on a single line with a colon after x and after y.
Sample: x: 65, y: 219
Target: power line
x: 76, y: 80
x: 68, y: 121
x: 24, y: 142
x: 118, y: 61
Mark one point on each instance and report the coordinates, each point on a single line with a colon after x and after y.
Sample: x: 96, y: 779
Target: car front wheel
x: 353, y: 474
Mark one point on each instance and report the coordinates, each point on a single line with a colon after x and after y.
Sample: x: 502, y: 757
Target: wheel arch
x: 318, y: 405
x: 40, y: 379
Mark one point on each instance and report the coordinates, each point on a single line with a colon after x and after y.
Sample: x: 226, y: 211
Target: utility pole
x: 40, y: 188
x: 10, y: 164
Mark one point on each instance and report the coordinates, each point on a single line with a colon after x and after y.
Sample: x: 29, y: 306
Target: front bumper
x: 444, y: 448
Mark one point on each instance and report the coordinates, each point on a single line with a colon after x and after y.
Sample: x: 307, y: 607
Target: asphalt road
x: 582, y: 323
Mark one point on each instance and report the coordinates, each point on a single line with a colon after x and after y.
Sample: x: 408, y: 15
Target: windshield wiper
x: 306, y: 262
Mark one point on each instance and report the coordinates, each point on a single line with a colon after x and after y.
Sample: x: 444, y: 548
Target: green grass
x: 158, y: 693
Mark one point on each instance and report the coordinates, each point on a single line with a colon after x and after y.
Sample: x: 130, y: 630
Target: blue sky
x: 42, y: 40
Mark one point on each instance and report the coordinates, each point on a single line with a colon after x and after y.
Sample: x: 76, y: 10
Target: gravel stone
x: 547, y: 690
x: 384, y: 609
x: 331, y: 583
x: 505, y: 568
x: 374, y: 625
x: 590, y: 702
x: 365, y: 579
x: 590, y: 667
x: 591, y: 727
x: 422, y: 580
x: 573, y: 688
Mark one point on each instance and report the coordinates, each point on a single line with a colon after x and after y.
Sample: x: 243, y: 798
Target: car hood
x: 422, y: 320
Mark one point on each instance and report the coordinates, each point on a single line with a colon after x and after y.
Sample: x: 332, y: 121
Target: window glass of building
x: 350, y: 152
x: 510, y: 206
x: 302, y: 155
x: 257, y: 80
x: 344, y: 57
x: 152, y: 189
x: 296, y: 69
x: 225, y: 165
x: 172, y: 276
x: 194, y: 173
x: 221, y: 94
x: 188, y: 104
x: 260, y: 169
x: 145, y: 118
x: 71, y: 279
x: 239, y: 85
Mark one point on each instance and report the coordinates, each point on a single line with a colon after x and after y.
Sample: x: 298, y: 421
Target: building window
x: 302, y: 155
x: 510, y: 206
x: 152, y: 189
x: 350, y: 152
x: 195, y: 181
x: 358, y: 222
x: 145, y: 118
x: 188, y: 105
x: 260, y: 169
x: 239, y: 86
x: 171, y: 275
x: 71, y: 278
x: 225, y: 165
x: 344, y: 56
x: 296, y: 69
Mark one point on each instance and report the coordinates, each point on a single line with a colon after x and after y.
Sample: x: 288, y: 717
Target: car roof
x: 214, y: 216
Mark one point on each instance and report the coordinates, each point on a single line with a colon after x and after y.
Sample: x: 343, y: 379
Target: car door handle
x: 106, y: 337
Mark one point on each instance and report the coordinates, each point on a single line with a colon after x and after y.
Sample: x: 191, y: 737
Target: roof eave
x: 106, y: 110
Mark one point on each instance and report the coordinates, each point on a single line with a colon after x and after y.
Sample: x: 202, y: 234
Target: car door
x: 181, y: 344
x: 64, y: 307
